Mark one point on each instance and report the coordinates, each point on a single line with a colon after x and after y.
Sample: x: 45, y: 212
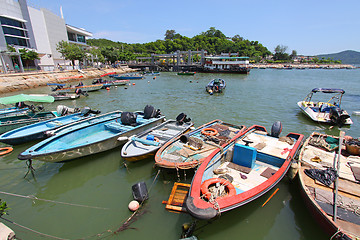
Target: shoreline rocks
x: 20, y: 81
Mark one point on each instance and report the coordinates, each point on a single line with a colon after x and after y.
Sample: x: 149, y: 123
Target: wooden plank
x: 177, y: 197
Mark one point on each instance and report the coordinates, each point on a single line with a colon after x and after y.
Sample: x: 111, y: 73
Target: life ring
x: 204, y: 188
x: 209, y: 131
x: 7, y: 150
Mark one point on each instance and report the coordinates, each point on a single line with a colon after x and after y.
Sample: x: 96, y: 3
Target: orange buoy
x: 133, y: 83
x: 209, y: 131
x: 134, y: 205
x: 108, y: 88
x: 5, y: 150
x: 204, y: 188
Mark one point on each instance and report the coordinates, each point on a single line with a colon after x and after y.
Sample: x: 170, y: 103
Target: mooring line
x: 46, y: 200
x: 31, y: 230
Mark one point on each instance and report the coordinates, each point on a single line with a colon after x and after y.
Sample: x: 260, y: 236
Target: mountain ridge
x: 346, y: 57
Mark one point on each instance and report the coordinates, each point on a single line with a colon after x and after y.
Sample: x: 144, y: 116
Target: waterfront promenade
x: 20, y: 81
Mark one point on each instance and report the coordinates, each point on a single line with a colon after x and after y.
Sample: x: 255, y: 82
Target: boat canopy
x: 26, y: 98
x: 328, y: 90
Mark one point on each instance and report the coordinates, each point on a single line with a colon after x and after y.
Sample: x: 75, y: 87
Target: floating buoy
x: 154, y: 78
x: 5, y: 150
x: 134, y: 205
x: 133, y: 83
x: 148, y: 81
x: 108, y: 88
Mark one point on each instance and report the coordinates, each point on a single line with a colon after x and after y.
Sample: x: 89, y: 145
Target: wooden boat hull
x: 186, y: 73
x: 135, y: 150
x: 86, y: 138
x: 270, y: 161
x: 319, y: 198
x: 13, y: 122
x: 176, y: 155
x: 87, y: 88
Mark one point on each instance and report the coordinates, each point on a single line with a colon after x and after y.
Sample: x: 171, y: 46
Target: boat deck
x: 348, y: 200
x: 245, y: 179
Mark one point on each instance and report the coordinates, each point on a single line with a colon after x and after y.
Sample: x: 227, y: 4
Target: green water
x: 101, y: 180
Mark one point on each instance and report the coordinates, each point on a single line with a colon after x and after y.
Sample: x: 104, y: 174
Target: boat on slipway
x: 325, y: 112
x: 190, y: 150
x: 38, y: 130
x: 217, y: 85
x: 329, y: 176
x: 33, y: 115
x: 249, y: 166
x: 145, y: 144
x: 92, y: 135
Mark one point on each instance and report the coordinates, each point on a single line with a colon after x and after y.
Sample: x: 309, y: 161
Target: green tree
x: 27, y: 56
x: 3, y: 208
x: 280, y: 53
x: 70, y: 51
x: 170, y: 34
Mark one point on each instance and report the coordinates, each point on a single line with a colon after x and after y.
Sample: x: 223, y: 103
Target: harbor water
x: 88, y: 198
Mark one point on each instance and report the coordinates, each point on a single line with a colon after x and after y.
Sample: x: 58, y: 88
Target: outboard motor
x: 337, y: 116
x: 276, y: 129
x: 20, y: 105
x: 151, y: 112
x: 140, y: 192
x: 85, y: 111
x: 184, y: 138
x: 128, y: 118
x: 61, y: 110
x: 182, y: 118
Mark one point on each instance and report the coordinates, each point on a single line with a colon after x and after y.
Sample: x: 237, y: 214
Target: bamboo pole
x: 337, y: 175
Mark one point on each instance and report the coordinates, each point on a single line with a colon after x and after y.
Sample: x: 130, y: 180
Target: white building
x: 40, y: 30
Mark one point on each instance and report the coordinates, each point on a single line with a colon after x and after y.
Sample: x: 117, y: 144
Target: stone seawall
x: 20, y: 81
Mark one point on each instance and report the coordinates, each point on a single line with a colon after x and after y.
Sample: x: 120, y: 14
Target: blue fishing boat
x: 93, y: 135
x: 33, y: 115
x: 38, y: 130
x: 19, y: 102
x: 129, y: 76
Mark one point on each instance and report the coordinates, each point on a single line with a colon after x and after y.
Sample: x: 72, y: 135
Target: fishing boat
x: 329, y: 177
x: 190, y: 150
x: 110, y: 83
x: 20, y: 106
x: 38, y: 130
x: 245, y: 169
x: 145, y: 144
x: 186, y: 73
x: 325, y: 112
x: 60, y: 96
x: 217, y: 85
x: 60, y: 88
x: 91, y: 136
x: 129, y: 76
x: 33, y: 115
x: 151, y: 73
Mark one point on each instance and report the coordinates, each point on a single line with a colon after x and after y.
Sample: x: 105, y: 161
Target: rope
x: 35, y: 198
x: 335, y: 234
x: 31, y: 230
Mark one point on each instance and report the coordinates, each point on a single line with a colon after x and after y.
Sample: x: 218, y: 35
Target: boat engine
x: 151, y: 112
x: 64, y: 110
x: 182, y: 118
x: 140, y: 192
x: 276, y: 129
x: 128, y: 118
x: 337, y: 116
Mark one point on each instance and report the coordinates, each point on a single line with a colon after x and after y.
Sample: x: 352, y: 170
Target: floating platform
x: 177, y: 197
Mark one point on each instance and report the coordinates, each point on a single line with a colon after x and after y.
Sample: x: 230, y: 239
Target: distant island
x: 346, y: 57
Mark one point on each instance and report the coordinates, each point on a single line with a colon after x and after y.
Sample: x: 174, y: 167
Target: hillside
x: 346, y: 57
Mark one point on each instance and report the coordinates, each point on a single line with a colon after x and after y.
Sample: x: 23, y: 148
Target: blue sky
x: 310, y: 27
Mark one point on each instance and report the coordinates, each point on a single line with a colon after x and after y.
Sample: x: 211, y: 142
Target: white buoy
x: 133, y: 205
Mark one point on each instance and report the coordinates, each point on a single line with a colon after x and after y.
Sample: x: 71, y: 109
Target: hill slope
x: 346, y: 57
